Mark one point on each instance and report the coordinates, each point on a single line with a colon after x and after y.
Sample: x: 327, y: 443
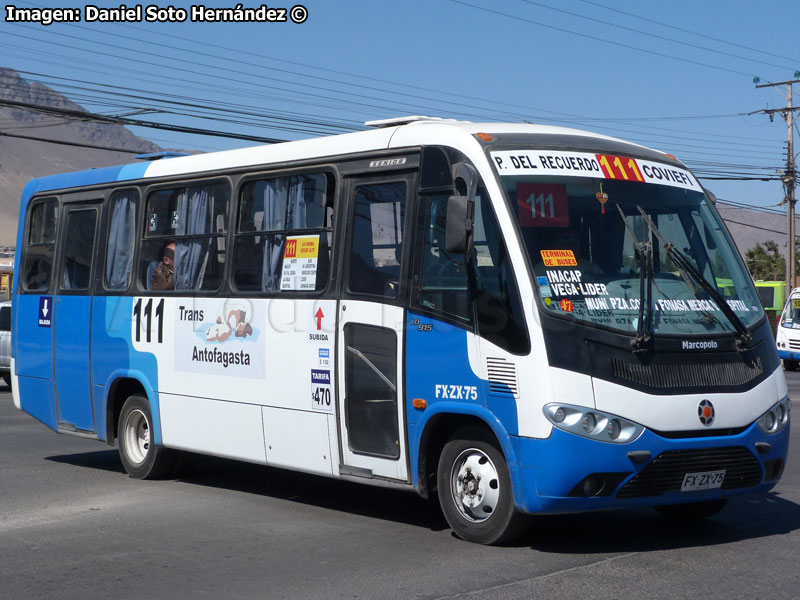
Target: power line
x: 599, y: 39
x: 138, y: 122
x: 689, y: 31
x: 68, y: 143
x: 654, y: 35
x: 751, y: 226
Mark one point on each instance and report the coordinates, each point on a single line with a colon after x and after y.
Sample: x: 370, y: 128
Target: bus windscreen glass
x: 582, y: 225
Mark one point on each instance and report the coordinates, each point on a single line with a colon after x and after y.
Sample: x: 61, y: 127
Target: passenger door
x: 72, y: 318
x: 370, y: 328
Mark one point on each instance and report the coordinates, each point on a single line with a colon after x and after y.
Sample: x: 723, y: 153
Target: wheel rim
x: 475, y: 485
x: 137, y: 436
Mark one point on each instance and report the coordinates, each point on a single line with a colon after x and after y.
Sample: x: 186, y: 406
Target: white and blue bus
x: 519, y: 319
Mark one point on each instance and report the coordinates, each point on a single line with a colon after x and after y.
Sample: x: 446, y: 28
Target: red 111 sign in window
x: 542, y: 205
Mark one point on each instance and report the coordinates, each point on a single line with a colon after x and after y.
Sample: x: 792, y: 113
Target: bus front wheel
x: 790, y: 365
x: 475, y: 490
x: 140, y: 456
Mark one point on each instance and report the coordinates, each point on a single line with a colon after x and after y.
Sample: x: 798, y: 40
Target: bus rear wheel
x: 475, y: 490
x: 140, y: 456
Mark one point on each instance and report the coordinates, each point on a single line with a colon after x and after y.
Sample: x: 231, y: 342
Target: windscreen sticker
x: 569, y: 282
x: 300, y: 263
x: 542, y: 205
x: 544, y: 287
x: 796, y: 303
x: 583, y: 164
x: 558, y: 258
x: 601, y: 301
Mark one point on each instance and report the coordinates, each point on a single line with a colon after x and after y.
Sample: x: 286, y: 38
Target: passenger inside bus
x: 162, y: 276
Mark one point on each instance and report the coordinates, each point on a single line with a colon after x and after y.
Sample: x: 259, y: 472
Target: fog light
x: 591, y: 486
x: 560, y: 415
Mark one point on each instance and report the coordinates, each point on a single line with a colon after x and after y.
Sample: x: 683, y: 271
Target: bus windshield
x: 595, y: 256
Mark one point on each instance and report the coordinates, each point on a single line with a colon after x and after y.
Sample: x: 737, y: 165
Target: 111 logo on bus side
x: 147, y: 315
x: 456, y: 392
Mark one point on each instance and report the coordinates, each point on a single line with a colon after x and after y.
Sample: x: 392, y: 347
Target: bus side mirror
x: 460, y: 210
x: 458, y: 233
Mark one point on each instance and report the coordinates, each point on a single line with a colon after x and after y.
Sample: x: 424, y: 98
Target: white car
x: 5, y: 341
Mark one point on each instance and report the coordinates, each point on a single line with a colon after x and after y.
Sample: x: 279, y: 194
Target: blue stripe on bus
x: 114, y: 357
x: 63, y: 181
x: 440, y: 357
x: 552, y: 467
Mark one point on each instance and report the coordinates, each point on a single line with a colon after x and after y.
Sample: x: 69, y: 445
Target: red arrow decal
x: 318, y: 316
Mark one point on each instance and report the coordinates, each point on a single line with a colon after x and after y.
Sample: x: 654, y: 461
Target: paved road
x: 73, y: 525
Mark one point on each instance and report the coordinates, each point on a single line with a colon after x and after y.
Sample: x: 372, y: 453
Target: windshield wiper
x: 644, y: 326
x: 686, y: 267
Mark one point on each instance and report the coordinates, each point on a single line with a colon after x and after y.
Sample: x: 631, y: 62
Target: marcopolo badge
x: 705, y: 412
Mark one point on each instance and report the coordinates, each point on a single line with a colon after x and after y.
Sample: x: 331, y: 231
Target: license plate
x: 710, y: 480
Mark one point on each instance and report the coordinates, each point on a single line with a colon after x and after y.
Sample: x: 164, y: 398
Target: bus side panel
x: 34, y: 357
x: 113, y: 353
x: 227, y: 429
x: 439, y: 370
x: 72, y: 359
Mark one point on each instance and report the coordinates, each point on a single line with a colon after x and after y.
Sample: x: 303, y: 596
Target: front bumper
x: 789, y: 355
x: 553, y: 471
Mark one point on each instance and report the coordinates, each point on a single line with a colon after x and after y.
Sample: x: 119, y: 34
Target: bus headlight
x: 592, y: 424
x: 776, y: 418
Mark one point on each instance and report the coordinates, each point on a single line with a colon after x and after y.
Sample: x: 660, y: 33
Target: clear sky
x: 676, y: 75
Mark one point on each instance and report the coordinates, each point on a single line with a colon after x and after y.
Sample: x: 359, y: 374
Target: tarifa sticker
x: 558, y: 258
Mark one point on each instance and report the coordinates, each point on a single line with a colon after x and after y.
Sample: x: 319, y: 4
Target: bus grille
x: 502, y: 377
x: 689, y: 374
x: 665, y: 473
x: 794, y: 344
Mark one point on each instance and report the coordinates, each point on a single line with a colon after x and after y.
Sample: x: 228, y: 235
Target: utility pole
x: 790, y: 174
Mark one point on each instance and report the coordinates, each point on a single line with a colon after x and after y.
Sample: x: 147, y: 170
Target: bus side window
x: 78, y: 249
x: 121, y: 239
x: 194, y: 219
x: 443, y: 276
x: 377, y: 240
x: 40, y: 245
x: 498, y: 306
x: 274, y: 216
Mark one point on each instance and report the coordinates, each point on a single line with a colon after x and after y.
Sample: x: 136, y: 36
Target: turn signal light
x: 420, y: 403
x: 485, y: 137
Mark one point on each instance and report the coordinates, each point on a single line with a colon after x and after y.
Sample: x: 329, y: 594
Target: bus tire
x: 140, y: 456
x: 790, y: 365
x: 693, y: 511
x: 475, y: 490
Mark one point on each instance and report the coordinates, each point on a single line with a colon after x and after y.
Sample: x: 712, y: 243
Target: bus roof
x: 389, y: 133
